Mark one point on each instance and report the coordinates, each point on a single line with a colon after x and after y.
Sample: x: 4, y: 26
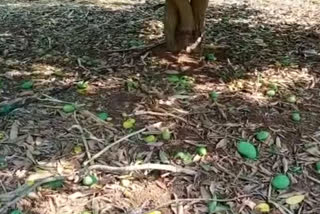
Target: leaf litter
x: 95, y: 57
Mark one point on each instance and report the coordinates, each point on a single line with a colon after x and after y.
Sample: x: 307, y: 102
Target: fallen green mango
x: 202, y: 151
x: 280, y: 182
x: 247, y: 150
x: 262, y: 135
x: 69, y: 108
x: 89, y: 180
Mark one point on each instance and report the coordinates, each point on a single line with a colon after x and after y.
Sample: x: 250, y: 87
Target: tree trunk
x: 184, y: 24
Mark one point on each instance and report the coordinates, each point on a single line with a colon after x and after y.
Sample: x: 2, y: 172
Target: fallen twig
x: 23, y: 191
x: 281, y: 208
x: 98, y: 120
x: 147, y: 166
x: 159, y: 114
x: 84, y: 140
x: 140, y: 48
x: 117, y: 142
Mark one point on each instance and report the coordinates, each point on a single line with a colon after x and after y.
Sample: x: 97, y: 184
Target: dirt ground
x: 258, y: 46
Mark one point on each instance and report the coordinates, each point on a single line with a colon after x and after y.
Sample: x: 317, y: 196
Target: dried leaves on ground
x: 85, y: 103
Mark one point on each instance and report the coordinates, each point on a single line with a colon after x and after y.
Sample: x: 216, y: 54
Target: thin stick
x: 98, y: 120
x: 313, y: 179
x: 160, y: 114
x: 281, y: 208
x: 52, y: 99
x: 147, y: 166
x: 117, y: 142
x: 140, y: 48
x: 196, y: 200
x: 84, y: 140
x: 27, y: 190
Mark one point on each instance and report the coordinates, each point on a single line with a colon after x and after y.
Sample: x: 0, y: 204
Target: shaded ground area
x: 258, y: 47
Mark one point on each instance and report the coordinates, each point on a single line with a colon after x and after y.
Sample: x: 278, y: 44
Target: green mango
x: 262, y: 135
x: 271, y: 93
x: 69, y: 108
x: 292, y: 99
x: 247, y: 150
x: 150, y: 139
x: 89, y: 180
x: 202, y: 151
x: 280, y: 182
x: 295, y: 116
x: 166, y: 135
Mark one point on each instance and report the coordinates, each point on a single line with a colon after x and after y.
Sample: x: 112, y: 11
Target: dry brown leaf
x: 222, y: 144
x: 14, y: 130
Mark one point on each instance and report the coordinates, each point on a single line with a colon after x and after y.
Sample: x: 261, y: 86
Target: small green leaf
x: 214, y: 96
x: 131, y: 85
x: 164, y: 157
x: 247, y: 150
x: 3, y: 162
x: 186, y: 157
x: 82, y: 85
x: 86, y: 212
x: 273, y: 86
x: 318, y: 167
x: 5, y: 109
x: 103, y: 116
x: 210, y: 57
x: 16, y: 211
x: 280, y: 182
x: 295, y: 169
x: 53, y: 185
x: 221, y: 208
x: 135, y: 43
x: 69, y: 108
x: 27, y: 85
x: 212, y: 206
x: 129, y: 123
